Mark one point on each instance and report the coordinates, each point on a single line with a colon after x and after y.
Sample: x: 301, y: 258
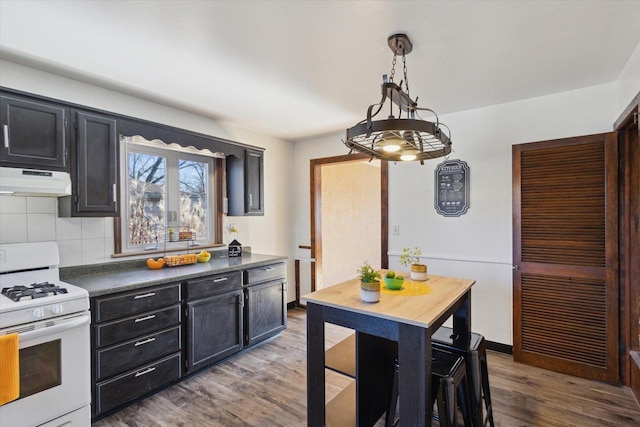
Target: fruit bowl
x: 393, y: 283
x: 204, y: 256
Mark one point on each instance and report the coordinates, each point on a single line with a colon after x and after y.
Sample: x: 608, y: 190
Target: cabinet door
x: 34, y: 134
x: 266, y: 310
x: 254, y: 203
x: 245, y: 184
x: 96, y: 165
x: 215, y: 329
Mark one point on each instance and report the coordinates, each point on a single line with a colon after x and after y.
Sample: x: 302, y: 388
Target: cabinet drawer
x: 123, y: 357
x: 129, y: 304
x: 125, y: 388
x: 261, y: 274
x: 141, y: 324
x: 211, y: 285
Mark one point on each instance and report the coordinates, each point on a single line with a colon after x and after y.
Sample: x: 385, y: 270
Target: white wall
x: 628, y: 83
x: 478, y: 244
x: 90, y: 240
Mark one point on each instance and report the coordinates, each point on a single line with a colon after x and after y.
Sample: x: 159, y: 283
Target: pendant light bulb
x: 391, y: 142
x: 408, y: 155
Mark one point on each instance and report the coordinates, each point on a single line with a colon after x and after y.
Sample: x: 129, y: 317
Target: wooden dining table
x: 399, y: 325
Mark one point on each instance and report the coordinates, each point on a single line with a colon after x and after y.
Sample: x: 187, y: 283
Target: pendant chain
x: 404, y: 70
x: 393, y: 68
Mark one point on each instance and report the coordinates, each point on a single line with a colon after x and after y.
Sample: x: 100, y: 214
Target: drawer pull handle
x: 222, y: 279
x: 269, y: 269
x: 142, y: 319
x: 150, y: 294
x: 146, y: 371
x: 147, y: 341
x: 6, y: 136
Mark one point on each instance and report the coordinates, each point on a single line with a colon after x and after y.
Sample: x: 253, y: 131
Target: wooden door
x: 565, y: 255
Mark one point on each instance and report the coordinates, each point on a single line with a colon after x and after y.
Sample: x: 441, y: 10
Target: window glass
x: 146, y: 184
x: 193, y: 196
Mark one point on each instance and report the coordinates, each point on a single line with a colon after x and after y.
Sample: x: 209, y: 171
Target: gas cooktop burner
x: 34, y: 290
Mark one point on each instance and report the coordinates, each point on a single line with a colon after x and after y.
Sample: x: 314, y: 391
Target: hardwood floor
x: 266, y: 386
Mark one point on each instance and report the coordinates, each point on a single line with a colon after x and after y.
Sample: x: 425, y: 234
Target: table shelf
x: 341, y: 410
x: 341, y: 357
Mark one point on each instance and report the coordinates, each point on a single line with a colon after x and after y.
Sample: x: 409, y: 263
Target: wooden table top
x: 419, y: 310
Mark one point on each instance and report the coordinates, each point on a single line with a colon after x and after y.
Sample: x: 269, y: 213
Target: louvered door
x: 565, y: 255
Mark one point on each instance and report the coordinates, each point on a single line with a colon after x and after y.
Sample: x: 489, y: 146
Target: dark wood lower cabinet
x: 137, y: 345
x: 127, y: 387
x: 131, y: 354
x: 215, y: 329
x: 266, y: 313
x: 152, y: 337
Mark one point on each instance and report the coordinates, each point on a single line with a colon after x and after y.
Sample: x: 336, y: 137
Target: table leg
x: 315, y: 366
x: 414, y: 376
x: 462, y: 316
x: 462, y: 328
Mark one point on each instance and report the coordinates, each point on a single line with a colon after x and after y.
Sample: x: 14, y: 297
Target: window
x: 165, y: 188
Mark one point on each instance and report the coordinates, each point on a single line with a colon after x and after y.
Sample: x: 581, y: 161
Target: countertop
x: 420, y: 310
x: 104, y: 279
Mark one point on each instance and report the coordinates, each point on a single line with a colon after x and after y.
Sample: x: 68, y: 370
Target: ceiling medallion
x: 399, y: 138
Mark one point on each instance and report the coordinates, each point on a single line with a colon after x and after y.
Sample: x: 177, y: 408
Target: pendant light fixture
x: 404, y: 135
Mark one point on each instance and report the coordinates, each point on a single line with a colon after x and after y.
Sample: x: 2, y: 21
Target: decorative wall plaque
x: 451, y: 192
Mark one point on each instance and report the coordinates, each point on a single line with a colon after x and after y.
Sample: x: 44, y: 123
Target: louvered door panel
x: 565, y: 255
x: 563, y: 210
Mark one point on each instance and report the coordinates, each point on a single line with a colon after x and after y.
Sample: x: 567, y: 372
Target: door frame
x: 316, y: 215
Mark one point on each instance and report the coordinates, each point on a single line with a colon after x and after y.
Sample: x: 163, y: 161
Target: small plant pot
x: 370, y: 291
x: 419, y: 272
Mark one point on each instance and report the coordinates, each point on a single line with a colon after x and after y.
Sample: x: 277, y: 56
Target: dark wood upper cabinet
x: 245, y: 184
x: 254, y: 186
x: 94, y: 167
x: 34, y: 134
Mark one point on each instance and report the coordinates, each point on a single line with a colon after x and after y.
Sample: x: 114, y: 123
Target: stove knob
x: 57, y: 309
x: 38, y: 313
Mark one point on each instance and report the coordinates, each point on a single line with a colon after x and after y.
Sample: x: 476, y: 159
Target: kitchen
x: 483, y: 134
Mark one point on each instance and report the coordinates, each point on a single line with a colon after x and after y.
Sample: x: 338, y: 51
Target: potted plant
x: 411, y: 258
x: 369, y: 283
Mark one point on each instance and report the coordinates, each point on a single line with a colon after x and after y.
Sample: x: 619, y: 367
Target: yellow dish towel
x: 9, y: 368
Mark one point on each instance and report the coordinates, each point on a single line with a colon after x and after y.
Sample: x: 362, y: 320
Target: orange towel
x: 9, y: 368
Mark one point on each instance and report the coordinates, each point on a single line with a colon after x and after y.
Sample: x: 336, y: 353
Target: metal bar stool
x: 449, y: 389
x: 473, y: 348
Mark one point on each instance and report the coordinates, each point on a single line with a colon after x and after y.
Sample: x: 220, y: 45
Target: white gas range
x: 51, y: 319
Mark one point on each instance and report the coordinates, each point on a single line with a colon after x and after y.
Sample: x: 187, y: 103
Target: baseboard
x: 291, y: 305
x: 499, y: 347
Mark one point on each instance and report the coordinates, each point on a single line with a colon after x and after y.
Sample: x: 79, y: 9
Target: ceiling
x: 295, y: 69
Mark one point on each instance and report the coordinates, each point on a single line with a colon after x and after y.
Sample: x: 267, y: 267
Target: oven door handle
x: 84, y: 319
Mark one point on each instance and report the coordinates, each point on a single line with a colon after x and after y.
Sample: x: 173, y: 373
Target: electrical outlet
x: 395, y: 230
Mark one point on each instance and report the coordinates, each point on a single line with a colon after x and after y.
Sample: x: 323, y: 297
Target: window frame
x: 173, y: 153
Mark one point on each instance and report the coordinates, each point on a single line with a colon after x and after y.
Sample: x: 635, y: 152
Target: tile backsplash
x: 35, y: 219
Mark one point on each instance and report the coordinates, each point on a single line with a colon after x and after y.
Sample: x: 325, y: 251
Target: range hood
x: 34, y: 182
